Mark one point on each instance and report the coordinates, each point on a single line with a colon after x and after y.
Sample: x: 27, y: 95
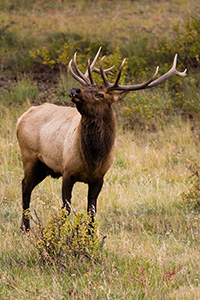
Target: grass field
x: 152, y: 246
x: 149, y: 205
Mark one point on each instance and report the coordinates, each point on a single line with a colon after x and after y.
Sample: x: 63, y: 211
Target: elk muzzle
x: 75, y: 94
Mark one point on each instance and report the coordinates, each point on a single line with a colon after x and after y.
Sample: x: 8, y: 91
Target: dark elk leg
x: 67, y: 186
x: 26, y: 196
x: 34, y: 174
x: 93, y: 192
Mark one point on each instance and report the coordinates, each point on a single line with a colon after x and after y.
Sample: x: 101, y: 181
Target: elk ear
x: 117, y: 96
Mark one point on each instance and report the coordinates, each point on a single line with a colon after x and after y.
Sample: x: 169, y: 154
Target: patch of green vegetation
x: 22, y: 92
x: 191, y: 198
x: 66, y: 239
x: 139, y: 108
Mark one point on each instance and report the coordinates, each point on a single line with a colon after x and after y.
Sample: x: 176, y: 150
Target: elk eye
x: 100, y: 95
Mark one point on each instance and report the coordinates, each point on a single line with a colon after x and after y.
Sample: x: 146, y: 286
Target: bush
x: 188, y: 43
x: 66, y: 238
x: 61, y: 49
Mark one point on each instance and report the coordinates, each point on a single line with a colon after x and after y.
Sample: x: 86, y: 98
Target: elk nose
x: 75, y: 92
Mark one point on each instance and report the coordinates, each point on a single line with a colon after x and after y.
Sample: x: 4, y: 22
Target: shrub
x: 144, y: 108
x: 188, y: 43
x: 66, y: 238
x: 61, y: 49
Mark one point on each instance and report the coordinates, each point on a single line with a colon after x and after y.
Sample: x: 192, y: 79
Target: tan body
x: 51, y: 134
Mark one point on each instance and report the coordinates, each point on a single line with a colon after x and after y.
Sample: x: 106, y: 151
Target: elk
x: 76, y: 143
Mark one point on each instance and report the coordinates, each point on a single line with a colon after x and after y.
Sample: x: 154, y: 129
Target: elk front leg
x: 67, y: 186
x: 93, y: 192
x: 26, y: 195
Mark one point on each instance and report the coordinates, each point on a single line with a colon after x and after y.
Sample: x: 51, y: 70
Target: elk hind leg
x: 34, y: 173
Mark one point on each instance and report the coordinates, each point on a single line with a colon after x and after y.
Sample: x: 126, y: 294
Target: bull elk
x: 75, y: 143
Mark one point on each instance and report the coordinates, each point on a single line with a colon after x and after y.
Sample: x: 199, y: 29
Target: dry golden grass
x: 120, y: 20
x: 152, y: 247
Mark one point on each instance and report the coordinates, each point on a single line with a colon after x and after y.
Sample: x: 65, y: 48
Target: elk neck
x: 98, y: 137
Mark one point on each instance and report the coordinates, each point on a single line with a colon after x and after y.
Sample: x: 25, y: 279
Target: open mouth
x: 76, y: 100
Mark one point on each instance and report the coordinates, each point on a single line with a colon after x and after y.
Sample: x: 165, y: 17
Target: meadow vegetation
x: 150, y: 201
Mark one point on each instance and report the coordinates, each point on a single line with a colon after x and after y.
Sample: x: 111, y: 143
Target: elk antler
x: 171, y: 72
x: 148, y: 84
x: 83, y: 78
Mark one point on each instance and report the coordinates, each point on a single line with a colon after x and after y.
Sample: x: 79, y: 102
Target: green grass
x: 147, y: 207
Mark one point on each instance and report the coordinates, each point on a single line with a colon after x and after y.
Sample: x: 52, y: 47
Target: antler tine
x: 92, y: 66
x: 95, y: 58
x: 103, y: 74
x: 119, y: 73
x: 90, y: 73
x: 74, y: 74
x: 106, y: 70
x: 79, y: 72
x: 171, y: 72
x: 132, y: 87
x: 182, y: 74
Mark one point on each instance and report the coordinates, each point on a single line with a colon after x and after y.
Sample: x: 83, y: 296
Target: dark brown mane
x: 97, y: 138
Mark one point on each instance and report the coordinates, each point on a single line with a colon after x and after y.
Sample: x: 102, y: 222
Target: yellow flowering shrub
x: 143, y: 108
x: 66, y: 237
x: 44, y: 56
